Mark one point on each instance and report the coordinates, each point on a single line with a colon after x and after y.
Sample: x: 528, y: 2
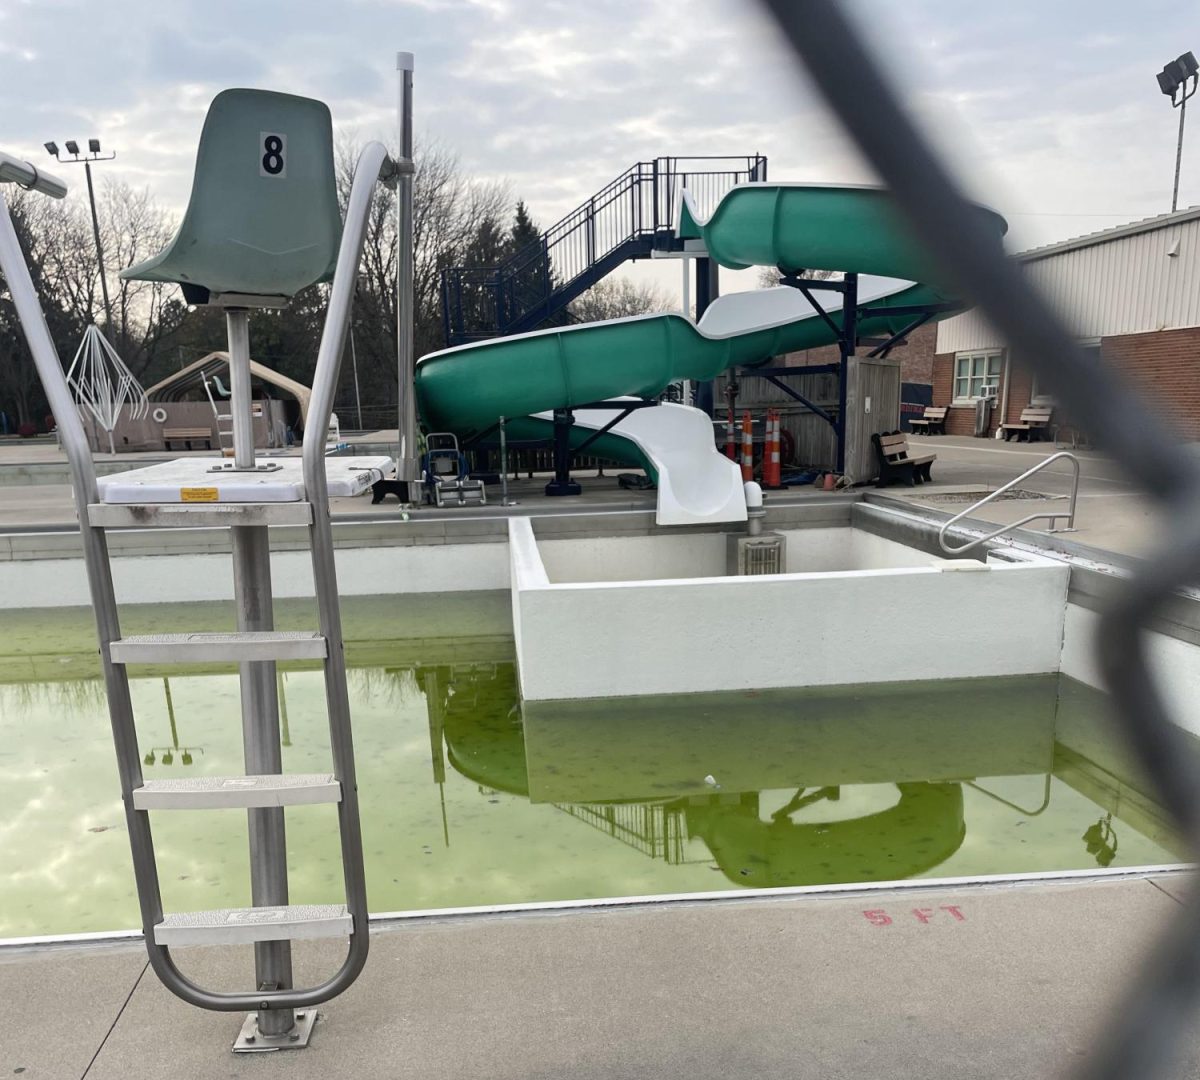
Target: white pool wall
x: 696, y: 555
x: 686, y: 635
x: 1174, y: 662
x: 361, y: 571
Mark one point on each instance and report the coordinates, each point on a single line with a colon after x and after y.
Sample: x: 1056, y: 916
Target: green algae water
x: 469, y: 799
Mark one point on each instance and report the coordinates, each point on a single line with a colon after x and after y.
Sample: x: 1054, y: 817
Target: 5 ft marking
x: 924, y: 915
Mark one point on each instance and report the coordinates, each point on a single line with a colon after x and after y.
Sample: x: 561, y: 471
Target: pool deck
x: 986, y: 981
x: 1112, y: 515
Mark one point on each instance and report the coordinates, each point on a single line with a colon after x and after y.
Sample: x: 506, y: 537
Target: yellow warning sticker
x: 198, y: 494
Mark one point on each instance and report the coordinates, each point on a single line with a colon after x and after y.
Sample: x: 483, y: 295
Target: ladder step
x: 196, y: 515
x: 244, y: 926
x: 206, y: 647
x: 227, y: 792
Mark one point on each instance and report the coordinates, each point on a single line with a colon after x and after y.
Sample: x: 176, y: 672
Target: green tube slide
x: 814, y: 227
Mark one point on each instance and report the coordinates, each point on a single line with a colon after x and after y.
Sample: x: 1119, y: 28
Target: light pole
x: 93, y: 154
x: 1178, y: 81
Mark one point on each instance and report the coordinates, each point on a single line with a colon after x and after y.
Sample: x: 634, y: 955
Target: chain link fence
x: 1142, y: 1036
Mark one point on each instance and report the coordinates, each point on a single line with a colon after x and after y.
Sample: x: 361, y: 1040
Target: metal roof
x: 1116, y: 232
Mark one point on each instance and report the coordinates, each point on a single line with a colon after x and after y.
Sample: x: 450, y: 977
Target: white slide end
x: 697, y: 484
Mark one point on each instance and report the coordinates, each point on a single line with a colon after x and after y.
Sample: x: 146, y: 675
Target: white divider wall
x: 616, y: 639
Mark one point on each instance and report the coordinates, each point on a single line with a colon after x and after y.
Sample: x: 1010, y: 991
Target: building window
x: 974, y: 371
x: 1039, y: 396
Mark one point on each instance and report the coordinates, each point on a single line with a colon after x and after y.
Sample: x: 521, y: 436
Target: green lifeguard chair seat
x: 263, y: 221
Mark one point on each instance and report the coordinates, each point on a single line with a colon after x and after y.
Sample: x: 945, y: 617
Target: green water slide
x: 792, y: 226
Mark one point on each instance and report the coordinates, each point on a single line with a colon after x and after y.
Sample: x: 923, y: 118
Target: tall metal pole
x: 354, y: 364
x: 1179, y: 150
x: 87, y: 168
x: 406, y: 464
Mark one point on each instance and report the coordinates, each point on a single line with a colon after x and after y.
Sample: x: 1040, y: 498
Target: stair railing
x: 639, y: 205
x: 1052, y: 517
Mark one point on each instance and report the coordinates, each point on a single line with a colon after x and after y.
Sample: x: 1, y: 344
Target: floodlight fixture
x: 93, y: 155
x: 1178, y: 80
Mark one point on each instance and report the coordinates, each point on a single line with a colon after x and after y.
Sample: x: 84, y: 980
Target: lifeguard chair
x: 262, y: 223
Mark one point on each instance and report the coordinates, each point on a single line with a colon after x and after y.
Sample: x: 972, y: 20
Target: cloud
x: 1049, y: 110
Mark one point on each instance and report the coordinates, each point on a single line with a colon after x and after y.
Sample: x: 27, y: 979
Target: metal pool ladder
x: 281, y: 1016
x: 1052, y: 517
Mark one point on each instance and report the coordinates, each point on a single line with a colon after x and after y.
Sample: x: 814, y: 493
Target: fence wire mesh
x: 1142, y: 1036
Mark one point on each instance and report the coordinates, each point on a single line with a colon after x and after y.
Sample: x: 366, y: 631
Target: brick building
x: 1130, y: 294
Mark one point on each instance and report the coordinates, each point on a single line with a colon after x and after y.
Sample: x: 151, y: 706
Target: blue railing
x: 628, y: 218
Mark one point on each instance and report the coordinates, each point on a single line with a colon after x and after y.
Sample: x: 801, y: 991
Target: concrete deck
x: 1112, y: 515
x: 989, y: 981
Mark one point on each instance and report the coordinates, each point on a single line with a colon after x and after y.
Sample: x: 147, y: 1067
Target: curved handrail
x: 1012, y: 805
x: 373, y: 165
x: 1069, y: 515
x: 27, y: 175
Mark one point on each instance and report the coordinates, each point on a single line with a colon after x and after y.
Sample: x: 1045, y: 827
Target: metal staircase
x: 281, y: 1015
x: 629, y: 218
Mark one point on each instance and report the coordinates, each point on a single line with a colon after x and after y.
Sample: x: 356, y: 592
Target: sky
x: 1049, y: 110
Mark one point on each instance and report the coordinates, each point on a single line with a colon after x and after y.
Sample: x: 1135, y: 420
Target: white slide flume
x: 697, y: 484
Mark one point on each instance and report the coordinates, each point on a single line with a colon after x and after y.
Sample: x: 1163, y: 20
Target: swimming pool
x: 468, y: 798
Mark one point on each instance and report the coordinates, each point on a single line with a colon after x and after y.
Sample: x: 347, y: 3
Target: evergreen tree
x: 525, y: 232
x: 529, y: 266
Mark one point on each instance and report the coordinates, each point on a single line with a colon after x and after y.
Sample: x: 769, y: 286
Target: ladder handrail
x: 373, y: 165
x: 1069, y: 515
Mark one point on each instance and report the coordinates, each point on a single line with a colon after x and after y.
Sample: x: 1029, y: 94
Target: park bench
x: 1035, y: 421
x: 187, y: 436
x: 895, y: 463
x: 931, y: 422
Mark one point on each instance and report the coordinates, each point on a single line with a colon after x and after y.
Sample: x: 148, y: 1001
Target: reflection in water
x: 1101, y: 840
x: 921, y: 831
x: 166, y: 755
x: 568, y: 800
x: 801, y: 774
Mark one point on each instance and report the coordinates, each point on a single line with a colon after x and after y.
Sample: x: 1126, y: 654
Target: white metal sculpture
x: 102, y: 384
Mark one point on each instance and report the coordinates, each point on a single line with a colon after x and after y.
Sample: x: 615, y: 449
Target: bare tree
x: 151, y: 326
x: 144, y: 313
x: 769, y: 276
x: 449, y: 208
x: 617, y: 297
x: 38, y: 233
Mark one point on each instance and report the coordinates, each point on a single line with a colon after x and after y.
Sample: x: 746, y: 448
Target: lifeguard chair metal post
x: 261, y: 224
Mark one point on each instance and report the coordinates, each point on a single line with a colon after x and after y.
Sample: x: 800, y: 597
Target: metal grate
x: 759, y: 555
